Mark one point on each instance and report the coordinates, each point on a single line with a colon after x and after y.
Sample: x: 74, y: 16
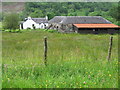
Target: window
x: 33, y: 26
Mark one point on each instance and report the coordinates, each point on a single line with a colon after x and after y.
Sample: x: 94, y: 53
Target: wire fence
x: 44, y: 62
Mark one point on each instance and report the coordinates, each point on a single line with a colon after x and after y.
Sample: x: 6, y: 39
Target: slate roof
x: 40, y: 20
x: 57, y: 19
x: 79, y: 20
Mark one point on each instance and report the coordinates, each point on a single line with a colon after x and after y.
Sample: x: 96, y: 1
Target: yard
x: 74, y: 60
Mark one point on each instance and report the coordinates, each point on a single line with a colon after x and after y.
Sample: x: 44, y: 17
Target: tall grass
x: 0, y: 24
x: 0, y: 56
x: 74, y: 60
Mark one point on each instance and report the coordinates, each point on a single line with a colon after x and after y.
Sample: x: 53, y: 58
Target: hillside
x: 50, y: 9
x: 13, y: 6
x: 41, y: 9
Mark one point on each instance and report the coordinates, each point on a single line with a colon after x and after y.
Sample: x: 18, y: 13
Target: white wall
x: 43, y: 25
x: 46, y: 24
x: 29, y: 24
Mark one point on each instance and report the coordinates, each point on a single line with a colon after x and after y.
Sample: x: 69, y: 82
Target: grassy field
x: 74, y: 61
x: 0, y: 24
x: 0, y: 56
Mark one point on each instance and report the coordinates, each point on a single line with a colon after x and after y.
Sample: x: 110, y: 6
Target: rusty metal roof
x: 96, y: 26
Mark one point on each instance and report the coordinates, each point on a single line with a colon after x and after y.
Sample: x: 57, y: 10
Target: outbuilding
x: 82, y: 24
x: 96, y: 28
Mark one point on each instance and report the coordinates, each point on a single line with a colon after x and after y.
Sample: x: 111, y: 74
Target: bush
x: 51, y: 31
x: 11, y: 21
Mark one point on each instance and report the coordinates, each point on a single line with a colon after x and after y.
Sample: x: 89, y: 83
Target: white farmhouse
x: 37, y: 23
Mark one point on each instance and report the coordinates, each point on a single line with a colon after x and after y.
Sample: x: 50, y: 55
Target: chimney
x: 29, y: 18
x: 46, y: 17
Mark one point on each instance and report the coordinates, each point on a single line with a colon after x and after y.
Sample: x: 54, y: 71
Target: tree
x: 1, y: 17
x: 115, y: 12
x: 35, y: 9
x: 37, y: 13
x: 50, y: 15
x: 11, y: 21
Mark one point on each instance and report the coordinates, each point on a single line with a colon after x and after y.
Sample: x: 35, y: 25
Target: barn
x: 82, y: 24
x: 34, y: 23
x: 96, y: 28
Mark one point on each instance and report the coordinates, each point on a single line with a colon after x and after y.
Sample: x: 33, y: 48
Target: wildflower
x: 84, y: 82
x: 88, y: 76
x: 57, y: 86
x: 110, y: 75
x: 8, y: 79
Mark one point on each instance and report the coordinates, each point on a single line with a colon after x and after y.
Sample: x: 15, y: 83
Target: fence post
x: 45, y: 50
x: 110, y: 48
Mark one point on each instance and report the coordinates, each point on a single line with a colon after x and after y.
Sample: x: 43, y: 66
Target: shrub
x: 11, y: 21
x: 51, y: 31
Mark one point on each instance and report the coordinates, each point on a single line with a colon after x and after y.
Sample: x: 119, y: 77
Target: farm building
x: 82, y: 24
x: 31, y: 23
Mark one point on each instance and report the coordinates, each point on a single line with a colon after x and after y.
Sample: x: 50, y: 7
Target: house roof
x: 57, y: 19
x: 96, y: 26
x: 40, y: 20
x: 79, y: 20
x: 37, y: 20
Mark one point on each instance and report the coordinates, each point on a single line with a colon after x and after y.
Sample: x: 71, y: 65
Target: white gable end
x: 29, y: 24
x: 34, y: 22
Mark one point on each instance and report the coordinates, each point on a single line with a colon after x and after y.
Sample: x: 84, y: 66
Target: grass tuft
x: 74, y: 60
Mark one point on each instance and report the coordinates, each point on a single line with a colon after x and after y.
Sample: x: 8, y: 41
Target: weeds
x: 74, y: 61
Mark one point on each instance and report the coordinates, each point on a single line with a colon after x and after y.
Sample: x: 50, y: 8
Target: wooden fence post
x: 110, y: 48
x: 45, y: 50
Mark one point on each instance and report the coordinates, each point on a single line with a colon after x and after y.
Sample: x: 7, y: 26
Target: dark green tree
x: 1, y: 17
x: 35, y: 9
x: 115, y: 12
x: 11, y: 21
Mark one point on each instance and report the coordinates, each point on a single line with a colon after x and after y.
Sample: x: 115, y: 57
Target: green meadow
x: 74, y: 60
x: 0, y: 24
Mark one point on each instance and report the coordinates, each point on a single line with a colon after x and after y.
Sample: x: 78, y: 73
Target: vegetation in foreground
x: 0, y: 25
x: 74, y: 61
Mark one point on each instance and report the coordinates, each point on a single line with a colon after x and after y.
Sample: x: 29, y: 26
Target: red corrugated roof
x: 96, y: 26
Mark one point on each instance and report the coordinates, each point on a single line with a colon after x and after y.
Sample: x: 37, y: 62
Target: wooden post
x: 45, y: 50
x: 110, y: 48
